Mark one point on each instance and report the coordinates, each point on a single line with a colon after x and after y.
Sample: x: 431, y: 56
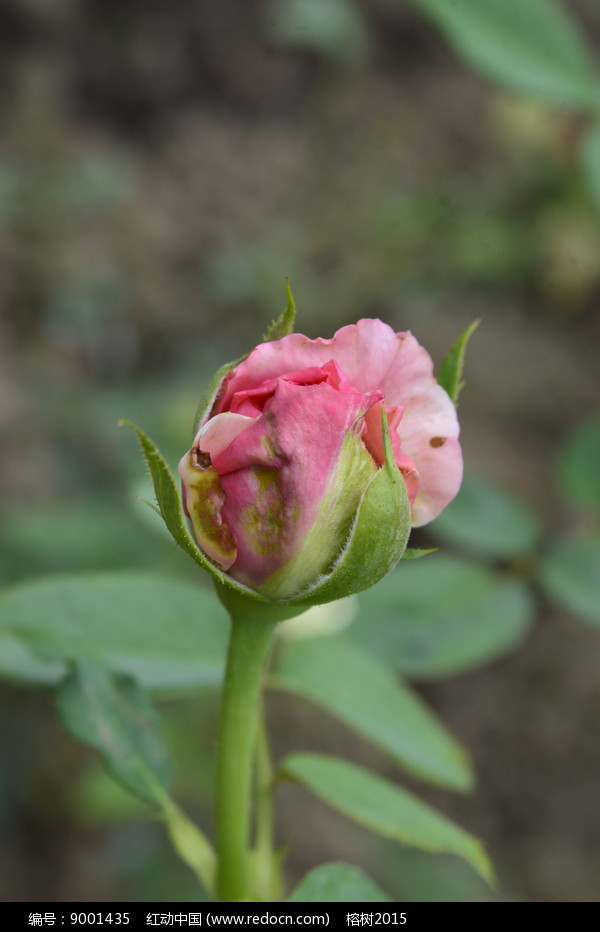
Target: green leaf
x: 365, y: 695
x: 284, y: 325
x: 488, y: 520
x: 338, y: 883
x: 414, y: 876
x: 191, y: 844
x: 443, y: 616
x: 450, y: 375
x: 590, y: 162
x: 531, y: 46
x: 577, y: 462
x: 384, y: 807
x: 19, y: 662
x: 168, y: 634
x: 58, y: 537
x: 570, y: 573
x: 113, y: 715
x: 99, y: 801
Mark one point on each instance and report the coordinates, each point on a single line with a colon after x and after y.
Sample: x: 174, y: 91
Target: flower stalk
x: 248, y: 648
x: 266, y: 872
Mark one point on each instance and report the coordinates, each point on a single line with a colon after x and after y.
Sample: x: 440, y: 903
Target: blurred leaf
x: 98, y: 800
x: 590, y: 162
x: 338, y: 883
x: 414, y: 876
x: 441, y: 616
x: 450, y: 375
x: 113, y: 715
x: 366, y: 696
x: 488, y: 520
x: 19, y: 662
x: 533, y: 47
x: 284, y: 325
x: 193, y: 714
x: 570, y: 573
x: 58, y: 537
x: 414, y: 553
x: 578, y: 465
x: 190, y: 843
x: 334, y: 29
x: 383, y: 807
x: 167, y: 634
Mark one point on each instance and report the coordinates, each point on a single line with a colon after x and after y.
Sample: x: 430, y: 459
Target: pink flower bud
x: 280, y: 465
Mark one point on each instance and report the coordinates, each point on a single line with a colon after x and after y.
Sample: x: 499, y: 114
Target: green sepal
x: 169, y: 502
x: 450, y: 374
x: 171, y: 511
x: 284, y: 325
x: 377, y: 540
x: 211, y: 393
x: 415, y: 553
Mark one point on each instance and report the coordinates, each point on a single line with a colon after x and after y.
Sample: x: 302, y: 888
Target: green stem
x: 267, y: 868
x: 248, y: 648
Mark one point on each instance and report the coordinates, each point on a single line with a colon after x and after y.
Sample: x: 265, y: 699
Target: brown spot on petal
x: 437, y: 441
x: 200, y: 460
x: 204, y: 500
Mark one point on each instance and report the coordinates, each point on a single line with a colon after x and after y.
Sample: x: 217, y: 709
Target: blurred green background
x: 163, y: 167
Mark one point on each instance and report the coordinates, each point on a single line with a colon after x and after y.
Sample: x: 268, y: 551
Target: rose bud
x: 278, y: 481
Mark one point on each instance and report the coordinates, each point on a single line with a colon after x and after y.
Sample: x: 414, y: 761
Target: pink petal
x: 369, y: 356
x: 363, y: 351
x: 277, y: 473
x: 440, y: 470
x: 429, y: 429
x: 217, y: 434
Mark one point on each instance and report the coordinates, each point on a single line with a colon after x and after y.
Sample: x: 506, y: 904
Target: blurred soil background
x: 163, y: 168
